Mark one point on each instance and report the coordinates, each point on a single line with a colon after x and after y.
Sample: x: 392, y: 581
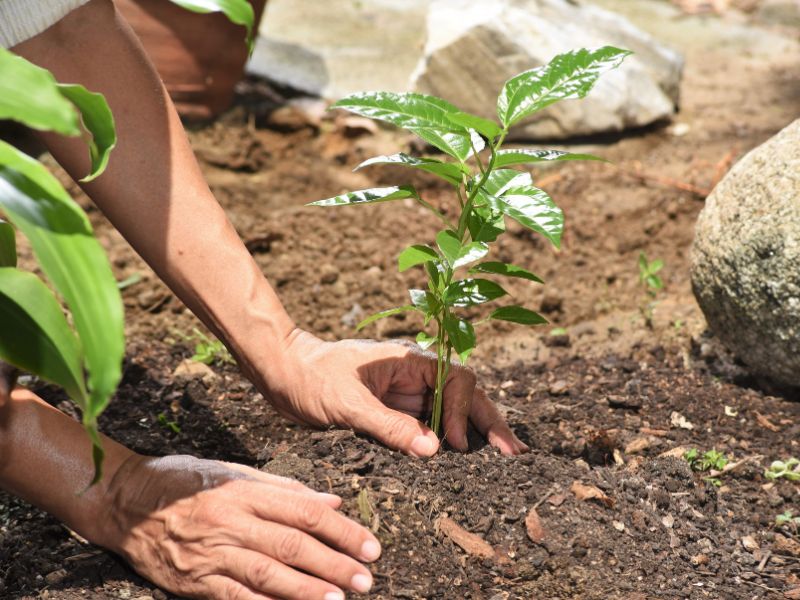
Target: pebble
x: 328, y: 274
x: 191, y: 369
x: 558, y: 388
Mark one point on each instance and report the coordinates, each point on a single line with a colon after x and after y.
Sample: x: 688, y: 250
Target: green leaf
x: 425, y: 341
x: 415, y: 255
x: 501, y: 268
x: 461, y: 335
x: 74, y: 262
x: 500, y: 180
x: 469, y: 292
x: 450, y: 172
x: 470, y: 253
x: 655, y: 266
x: 427, y: 116
x: 239, y: 12
x: 36, y: 336
x: 424, y: 301
x: 8, y: 245
x: 368, y: 196
x: 30, y: 95
x: 506, y: 158
x: 568, y: 75
x: 517, y: 314
x: 98, y: 120
x: 488, y: 129
x: 449, y: 244
x: 383, y: 314
x: 485, y: 225
x: 534, y: 209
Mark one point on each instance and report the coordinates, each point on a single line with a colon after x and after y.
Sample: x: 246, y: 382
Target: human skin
x: 203, y: 528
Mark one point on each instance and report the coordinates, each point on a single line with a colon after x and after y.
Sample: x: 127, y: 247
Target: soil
x: 611, y: 404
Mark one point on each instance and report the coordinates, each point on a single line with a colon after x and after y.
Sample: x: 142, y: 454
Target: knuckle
x: 311, y: 514
x: 260, y: 574
x: 289, y: 547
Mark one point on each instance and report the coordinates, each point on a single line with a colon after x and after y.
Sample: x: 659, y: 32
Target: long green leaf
x: 534, y: 209
x: 518, y: 314
x: 449, y: 244
x: 36, y: 336
x: 501, y: 268
x: 488, y: 129
x: 98, y: 120
x: 568, y: 75
x: 415, y: 255
x: 239, y: 12
x: 461, y: 334
x: 8, y: 245
x: 74, y: 262
x: 368, y: 196
x: 470, y: 292
x: 30, y: 95
x: 383, y: 314
x: 500, y: 180
x: 450, y: 172
x: 427, y: 116
x: 506, y: 158
x: 485, y: 225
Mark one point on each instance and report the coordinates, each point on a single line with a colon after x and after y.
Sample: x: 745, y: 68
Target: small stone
x: 637, y: 445
x: 191, y: 369
x: 618, y: 526
x: 749, y: 543
x: 699, y: 560
x: 676, y: 419
x: 627, y: 401
x: 558, y: 388
x: 668, y: 521
x: 328, y: 274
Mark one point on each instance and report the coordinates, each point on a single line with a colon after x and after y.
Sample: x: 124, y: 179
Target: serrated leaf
x: 239, y: 12
x: 532, y: 208
x: 415, y: 255
x: 470, y: 292
x: 506, y: 158
x: 36, y: 336
x: 98, y: 120
x: 8, y: 245
x: 424, y: 340
x: 461, y: 335
x: 368, y: 196
x: 501, y: 268
x: 450, y: 172
x: 420, y: 113
x: 487, y: 128
x: 383, y: 314
x: 518, y: 314
x: 568, y: 75
x: 29, y: 95
x: 73, y: 260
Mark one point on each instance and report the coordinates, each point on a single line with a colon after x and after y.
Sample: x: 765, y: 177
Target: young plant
x: 787, y: 519
x: 486, y: 192
x: 707, y: 461
x: 652, y: 284
x: 208, y: 351
x: 789, y: 470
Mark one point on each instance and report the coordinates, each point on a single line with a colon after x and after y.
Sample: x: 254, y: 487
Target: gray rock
x: 474, y: 47
x: 746, y: 259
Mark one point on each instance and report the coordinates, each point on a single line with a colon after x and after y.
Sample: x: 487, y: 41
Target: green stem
x: 430, y: 207
x: 464, y: 218
x: 441, y: 377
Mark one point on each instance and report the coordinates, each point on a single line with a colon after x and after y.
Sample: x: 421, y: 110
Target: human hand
x: 212, y: 530
x: 381, y: 389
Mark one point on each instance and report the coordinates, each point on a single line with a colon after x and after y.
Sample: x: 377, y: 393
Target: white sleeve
x: 23, y: 19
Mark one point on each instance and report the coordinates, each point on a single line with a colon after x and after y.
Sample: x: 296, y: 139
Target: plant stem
x: 441, y: 376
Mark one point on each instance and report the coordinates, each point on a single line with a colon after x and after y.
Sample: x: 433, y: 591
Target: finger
x: 221, y: 587
x: 487, y: 419
x: 284, y: 482
x: 458, y: 393
x: 415, y: 405
x: 265, y: 575
x: 305, y: 513
x: 292, y: 547
x: 397, y: 430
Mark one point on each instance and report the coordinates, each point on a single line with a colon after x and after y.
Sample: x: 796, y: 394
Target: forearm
x: 153, y: 190
x: 46, y: 459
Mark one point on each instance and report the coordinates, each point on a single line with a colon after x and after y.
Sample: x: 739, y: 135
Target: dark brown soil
x: 600, y: 405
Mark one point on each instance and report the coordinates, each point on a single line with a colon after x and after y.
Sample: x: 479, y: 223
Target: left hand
x: 381, y: 389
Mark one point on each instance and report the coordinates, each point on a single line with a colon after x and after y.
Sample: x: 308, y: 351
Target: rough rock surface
x: 474, y: 47
x: 464, y: 50
x: 746, y: 258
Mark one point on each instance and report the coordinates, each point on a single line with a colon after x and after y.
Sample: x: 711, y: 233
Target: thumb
x: 395, y: 429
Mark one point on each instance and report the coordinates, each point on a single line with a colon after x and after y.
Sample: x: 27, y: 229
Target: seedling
x: 206, y: 350
x: 787, y: 519
x: 166, y: 423
x: 709, y: 460
x: 486, y: 192
x: 652, y: 284
x: 789, y: 469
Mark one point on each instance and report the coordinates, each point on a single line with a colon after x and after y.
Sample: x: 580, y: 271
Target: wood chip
x: 655, y: 432
x: 749, y: 543
x: 699, y: 560
x: 469, y: 542
x: 676, y: 452
x: 765, y: 422
x: 590, y: 492
x: 637, y: 445
x: 676, y: 419
x: 533, y: 524
x: 785, y: 545
x: 557, y: 499
x: 793, y: 594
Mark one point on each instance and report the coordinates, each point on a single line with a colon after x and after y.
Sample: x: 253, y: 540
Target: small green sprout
x: 652, y: 285
x: 206, y: 350
x: 787, y: 518
x: 487, y: 191
x: 709, y: 460
x: 166, y: 423
x: 789, y: 469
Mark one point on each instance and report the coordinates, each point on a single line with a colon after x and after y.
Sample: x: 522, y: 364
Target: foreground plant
x: 487, y: 191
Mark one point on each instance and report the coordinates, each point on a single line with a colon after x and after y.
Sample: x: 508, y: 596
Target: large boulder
x: 474, y: 47
x: 746, y: 259
x: 464, y: 50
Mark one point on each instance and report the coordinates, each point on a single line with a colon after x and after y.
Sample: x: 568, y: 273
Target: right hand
x: 213, y: 530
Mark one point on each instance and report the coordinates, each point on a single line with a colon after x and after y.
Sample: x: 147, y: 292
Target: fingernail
x: 370, y: 550
x: 333, y: 596
x: 361, y: 583
x: 423, y: 446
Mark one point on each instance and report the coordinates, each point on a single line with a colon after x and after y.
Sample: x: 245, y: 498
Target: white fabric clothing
x: 23, y: 19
